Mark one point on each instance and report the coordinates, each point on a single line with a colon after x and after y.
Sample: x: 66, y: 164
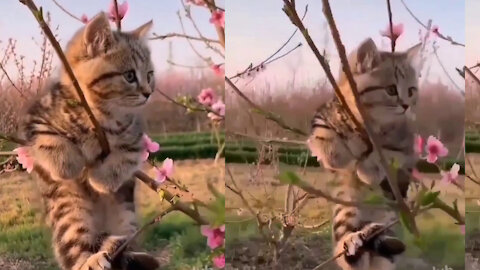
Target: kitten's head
x: 114, y: 68
x: 387, y: 82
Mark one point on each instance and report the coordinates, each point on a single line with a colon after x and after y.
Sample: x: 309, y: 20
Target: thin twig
x: 447, y: 38
x: 444, y: 69
x: 268, y: 115
x: 118, y: 21
x: 48, y: 32
x: 178, y: 35
x: 11, y: 82
x: 264, y: 62
x: 132, y: 237
x: 196, y: 109
x: 66, y: 11
x: 390, y: 21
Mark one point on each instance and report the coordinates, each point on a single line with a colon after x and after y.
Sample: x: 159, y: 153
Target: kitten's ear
x: 98, y: 36
x: 142, y: 31
x: 414, y: 54
x: 366, y: 57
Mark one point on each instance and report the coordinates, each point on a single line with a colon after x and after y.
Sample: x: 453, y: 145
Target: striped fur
x: 90, y: 198
x: 387, y: 86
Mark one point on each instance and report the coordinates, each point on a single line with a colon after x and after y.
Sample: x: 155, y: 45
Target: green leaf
x: 289, y: 178
x: 429, y: 197
x: 405, y: 220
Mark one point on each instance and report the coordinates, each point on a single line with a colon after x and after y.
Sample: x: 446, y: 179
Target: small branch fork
x: 269, y: 59
x: 446, y: 38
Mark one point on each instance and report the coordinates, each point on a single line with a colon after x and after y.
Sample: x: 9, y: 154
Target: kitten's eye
x: 130, y: 76
x: 411, y: 90
x: 149, y: 76
x: 392, y: 90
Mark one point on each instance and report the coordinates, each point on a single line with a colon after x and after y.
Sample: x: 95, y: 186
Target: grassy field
x: 176, y: 241
x: 441, y: 242
x: 472, y: 215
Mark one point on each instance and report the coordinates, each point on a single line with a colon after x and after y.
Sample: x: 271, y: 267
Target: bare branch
x: 178, y: 35
x: 447, y: 38
x: 66, y: 11
x: 268, y: 115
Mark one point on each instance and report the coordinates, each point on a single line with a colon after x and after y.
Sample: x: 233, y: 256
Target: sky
x: 256, y: 29
x: 18, y: 23
x: 472, y: 21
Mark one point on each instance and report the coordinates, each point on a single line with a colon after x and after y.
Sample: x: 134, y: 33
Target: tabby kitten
x: 387, y: 86
x: 90, y: 198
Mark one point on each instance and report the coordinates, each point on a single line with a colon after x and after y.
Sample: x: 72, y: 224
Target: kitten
x: 90, y: 198
x: 387, y: 85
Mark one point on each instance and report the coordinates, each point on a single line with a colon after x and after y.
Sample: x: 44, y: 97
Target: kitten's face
x: 387, y: 83
x: 114, y: 68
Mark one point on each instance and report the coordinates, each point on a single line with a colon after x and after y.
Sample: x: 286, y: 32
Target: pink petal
x: 206, y: 230
x: 218, y: 18
x: 153, y: 147
x: 161, y: 176
x: 122, y: 11
x: 219, y: 261
x: 454, y: 171
x: 431, y: 158
x: 145, y: 155
x: 418, y: 146
x: 218, y: 70
x: 222, y: 228
x: 84, y: 18
x: 462, y: 229
x: 206, y: 96
x: 167, y: 166
x: 397, y: 31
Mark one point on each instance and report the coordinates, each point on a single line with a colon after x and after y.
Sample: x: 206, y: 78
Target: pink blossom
x: 418, y: 146
x: 450, y: 176
x: 122, y: 11
x: 397, y: 30
x: 84, y: 18
x: 218, y: 18
x: 219, y: 261
x: 206, y: 97
x: 435, y: 149
x: 435, y: 29
x: 218, y: 70
x: 215, y: 236
x: 166, y: 171
x: 197, y: 2
x: 219, y: 108
x: 462, y: 229
x: 24, y: 158
x: 149, y: 147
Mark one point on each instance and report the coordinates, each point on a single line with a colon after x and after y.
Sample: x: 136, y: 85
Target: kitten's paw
x: 371, y: 228
x: 139, y: 261
x: 98, y: 261
x: 353, y: 242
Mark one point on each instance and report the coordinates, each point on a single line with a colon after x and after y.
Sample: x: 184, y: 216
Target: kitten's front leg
x: 109, y: 175
x: 328, y: 147
x: 59, y: 156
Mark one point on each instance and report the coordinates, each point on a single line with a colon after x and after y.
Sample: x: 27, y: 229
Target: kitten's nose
x: 405, y: 106
x: 146, y: 95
